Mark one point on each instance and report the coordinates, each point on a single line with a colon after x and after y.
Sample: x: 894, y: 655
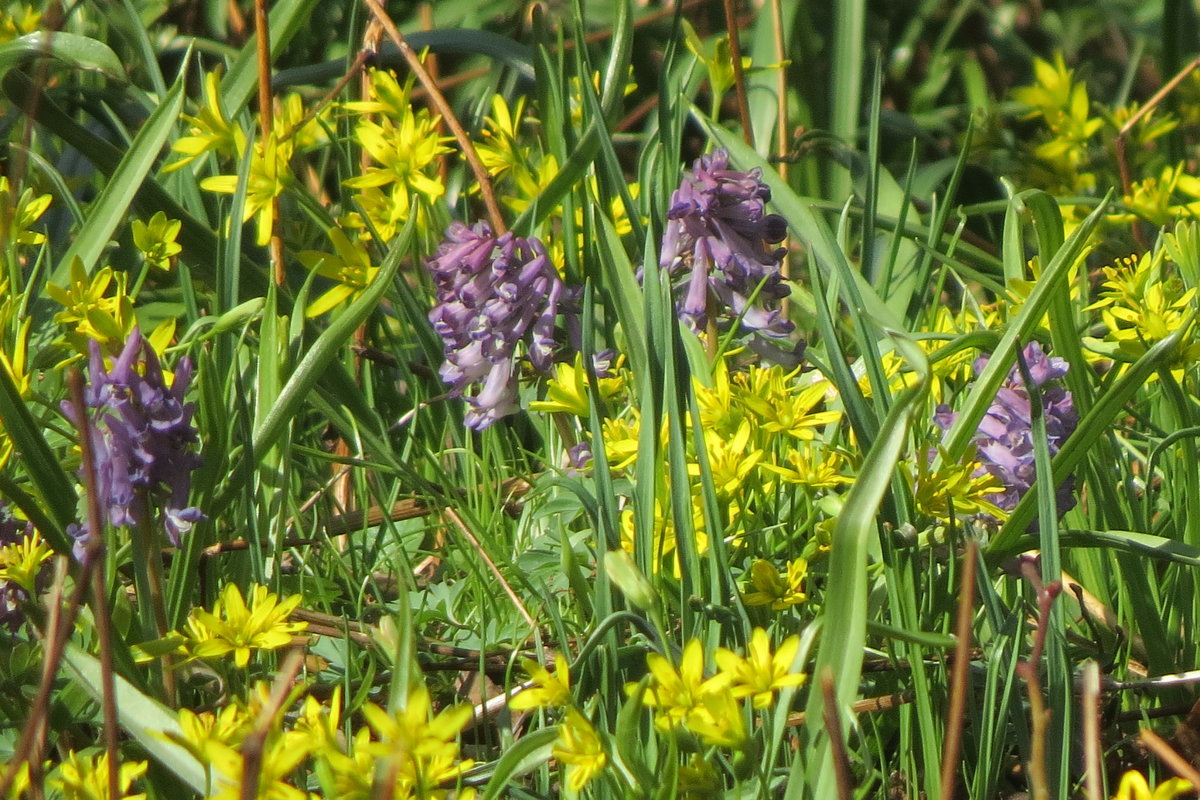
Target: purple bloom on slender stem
x: 1004, y: 441
x: 141, y: 435
x: 720, y: 234
x: 493, y: 292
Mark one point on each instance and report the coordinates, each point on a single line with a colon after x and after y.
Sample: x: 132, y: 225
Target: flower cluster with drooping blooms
x: 142, y: 436
x: 493, y: 292
x: 720, y: 235
x: 1004, y: 441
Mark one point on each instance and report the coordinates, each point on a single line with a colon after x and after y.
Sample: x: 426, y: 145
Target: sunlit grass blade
x: 1093, y: 426
x: 109, y: 210
x: 152, y: 724
x: 327, y: 346
x: 844, y: 635
x: 1017, y: 333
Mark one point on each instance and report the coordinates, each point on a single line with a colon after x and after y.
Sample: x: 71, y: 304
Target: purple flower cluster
x: 141, y: 435
x: 12, y: 594
x: 1004, y: 442
x: 719, y: 233
x: 493, y: 292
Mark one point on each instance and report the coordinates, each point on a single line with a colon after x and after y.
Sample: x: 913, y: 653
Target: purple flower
x: 141, y: 435
x: 493, y: 292
x: 579, y: 459
x: 1004, y: 441
x: 719, y: 233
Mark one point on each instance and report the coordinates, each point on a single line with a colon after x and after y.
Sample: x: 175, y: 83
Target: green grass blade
x: 984, y: 389
x: 327, y: 346
x: 1096, y: 424
x: 844, y: 637
x: 44, y: 468
x: 110, y: 209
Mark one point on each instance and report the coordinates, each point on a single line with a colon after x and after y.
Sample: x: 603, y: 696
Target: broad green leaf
x: 144, y: 718
x: 80, y: 52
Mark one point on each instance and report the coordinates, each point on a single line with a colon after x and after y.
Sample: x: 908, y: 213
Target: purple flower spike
x: 141, y: 436
x: 719, y: 232
x: 493, y: 292
x: 1004, y: 441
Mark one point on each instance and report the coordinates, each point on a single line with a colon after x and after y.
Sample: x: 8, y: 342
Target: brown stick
x: 266, y: 118
x: 833, y: 729
x: 95, y: 553
x: 739, y: 75
x: 1093, y: 780
x: 59, y: 628
x: 253, y: 745
x: 447, y: 114
x: 1178, y: 764
x: 955, y: 717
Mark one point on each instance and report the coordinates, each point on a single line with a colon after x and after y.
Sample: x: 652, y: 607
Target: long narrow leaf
x: 111, y: 207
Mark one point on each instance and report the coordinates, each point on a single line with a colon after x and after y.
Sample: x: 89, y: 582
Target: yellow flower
x: 530, y: 183
x: 211, y: 130
x: 717, y: 720
x: 1153, y: 198
x: 955, y: 490
x: 321, y: 723
x: 550, y: 689
x: 19, y: 21
x: 351, y: 267
x: 780, y: 405
x: 730, y: 461
x: 811, y: 468
x: 86, y: 777
x: 621, y: 440
x: 293, y: 123
x: 156, y: 240
x: 1133, y: 786
x: 270, y: 176
x: 720, y: 411
x: 20, y: 784
x: 676, y: 693
x: 241, y: 629
x: 198, y: 731
x: 760, y: 674
x: 17, y: 218
x: 579, y: 749
x: 421, y: 744
x: 499, y: 150
x: 771, y: 588
x: 1061, y: 102
x: 1140, y: 307
x: 567, y: 391
x: 21, y: 561
x: 353, y: 773
x: 282, y: 755
x: 88, y: 313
